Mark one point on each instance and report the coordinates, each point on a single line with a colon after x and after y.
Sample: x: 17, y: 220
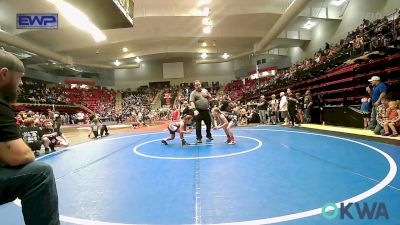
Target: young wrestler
x: 179, y: 127
x: 52, y: 138
x: 227, y: 122
x: 95, y: 127
x: 32, y: 135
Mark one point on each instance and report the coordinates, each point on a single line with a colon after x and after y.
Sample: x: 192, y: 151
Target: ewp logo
x: 377, y: 211
x: 37, y: 21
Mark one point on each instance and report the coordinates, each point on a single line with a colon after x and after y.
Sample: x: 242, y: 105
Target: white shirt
x: 283, y: 104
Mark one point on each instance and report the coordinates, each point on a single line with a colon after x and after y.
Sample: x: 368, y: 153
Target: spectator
x: 366, y: 110
x: 262, y: 109
x: 292, y: 101
x: 20, y: 176
x: 32, y: 135
x: 308, y: 102
x: 283, y: 108
x: 52, y: 138
x: 378, y: 91
x: 381, y: 116
x: 273, y: 109
x: 393, y: 119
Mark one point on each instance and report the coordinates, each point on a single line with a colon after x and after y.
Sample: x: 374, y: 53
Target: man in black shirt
x: 292, y: 101
x: 20, y: 176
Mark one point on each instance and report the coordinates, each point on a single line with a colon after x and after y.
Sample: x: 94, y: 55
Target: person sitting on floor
x: 381, y: 116
x: 95, y: 127
x: 393, y: 119
x: 52, y: 138
x: 32, y: 135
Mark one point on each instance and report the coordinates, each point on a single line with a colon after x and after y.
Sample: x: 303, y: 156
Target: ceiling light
x: 78, y: 19
x: 207, y: 29
x: 137, y: 59
x: 206, y: 11
x: 337, y: 2
x: 117, y: 63
x: 309, y: 25
x: 207, y: 21
x: 225, y: 55
x: 203, y: 55
x: 124, y: 49
x: 203, y: 2
x: 204, y: 44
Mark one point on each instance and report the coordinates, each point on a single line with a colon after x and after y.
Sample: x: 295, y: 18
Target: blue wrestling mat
x: 273, y: 175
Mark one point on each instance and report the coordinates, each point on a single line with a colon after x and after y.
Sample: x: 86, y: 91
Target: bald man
x: 20, y: 176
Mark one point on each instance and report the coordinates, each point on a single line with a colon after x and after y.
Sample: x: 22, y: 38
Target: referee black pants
x: 204, y: 115
x: 292, y: 115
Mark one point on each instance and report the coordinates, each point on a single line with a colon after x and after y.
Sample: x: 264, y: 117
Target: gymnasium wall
x: 153, y: 71
x: 332, y: 31
x: 106, y: 79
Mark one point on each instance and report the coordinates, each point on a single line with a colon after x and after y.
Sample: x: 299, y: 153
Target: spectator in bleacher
x: 366, y: 110
x: 393, y: 119
x: 262, y: 109
x: 20, y: 175
x: 199, y: 99
x: 378, y: 91
x: 283, y: 108
x: 308, y: 102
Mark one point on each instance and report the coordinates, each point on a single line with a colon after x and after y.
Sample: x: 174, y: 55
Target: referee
x: 199, y: 99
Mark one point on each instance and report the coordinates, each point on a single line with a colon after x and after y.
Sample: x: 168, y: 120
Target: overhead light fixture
x: 203, y: 2
x: 117, y: 62
x: 225, y: 55
x: 125, y: 49
x: 207, y: 29
x: 204, y: 44
x: 207, y: 21
x: 337, y: 2
x: 206, y: 11
x: 203, y: 55
x: 78, y: 19
x: 137, y: 59
x: 309, y: 25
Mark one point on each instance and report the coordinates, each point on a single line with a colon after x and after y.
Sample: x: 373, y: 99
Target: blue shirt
x: 377, y: 91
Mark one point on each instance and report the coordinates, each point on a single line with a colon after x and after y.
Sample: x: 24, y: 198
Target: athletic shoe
x: 210, y: 138
x: 37, y: 153
x: 387, y: 134
x: 164, y: 142
x: 232, y: 142
x: 184, y: 143
x: 46, y: 151
x: 199, y: 141
x: 394, y: 135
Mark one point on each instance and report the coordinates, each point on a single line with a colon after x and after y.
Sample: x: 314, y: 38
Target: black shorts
x: 366, y: 115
